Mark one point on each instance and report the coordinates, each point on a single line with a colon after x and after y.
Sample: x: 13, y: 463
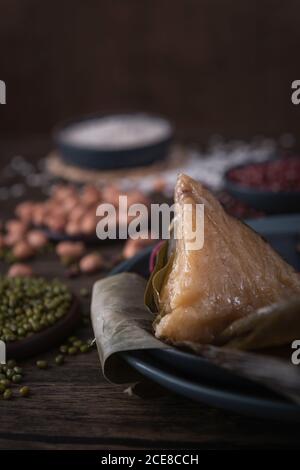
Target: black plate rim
x: 214, y: 396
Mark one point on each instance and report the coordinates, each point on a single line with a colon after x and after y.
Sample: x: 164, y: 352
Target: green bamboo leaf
x: 151, y: 292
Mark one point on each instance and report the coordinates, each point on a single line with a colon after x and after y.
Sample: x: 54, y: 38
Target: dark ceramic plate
x: 195, y: 377
x: 101, y: 158
x: 267, y: 201
x: 257, y: 402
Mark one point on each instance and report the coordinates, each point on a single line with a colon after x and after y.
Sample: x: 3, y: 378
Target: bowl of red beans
x: 272, y: 186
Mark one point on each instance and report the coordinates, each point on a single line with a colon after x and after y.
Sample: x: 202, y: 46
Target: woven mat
x: 58, y: 168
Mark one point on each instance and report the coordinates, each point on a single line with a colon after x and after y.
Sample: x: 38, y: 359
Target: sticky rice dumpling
x: 235, y: 273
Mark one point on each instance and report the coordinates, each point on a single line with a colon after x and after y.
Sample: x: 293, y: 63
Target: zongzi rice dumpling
x: 235, y: 273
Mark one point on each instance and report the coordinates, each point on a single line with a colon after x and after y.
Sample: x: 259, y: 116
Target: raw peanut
x: 71, y: 250
x: 37, y: 239
x: 77, y: 213
x: 57, y: 210
x: 20, y: 270
x: 57, y: 224
x: 25, y: 210
x: 132, y: 247
x: 22, y: 250
x: 39, y: 214
x: 70, y: 203
x: 111, y: 195
x: 72, y: 228
x: 90, y: 195
x: 91, y: 263
x: 12, y: 238
x: 16, y: 226
x: 88, y: 223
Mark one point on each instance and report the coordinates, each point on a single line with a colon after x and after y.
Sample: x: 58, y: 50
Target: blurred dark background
x: 212, y: 66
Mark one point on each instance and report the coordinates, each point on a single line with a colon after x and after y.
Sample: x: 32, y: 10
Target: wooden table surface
x: 73, y: 407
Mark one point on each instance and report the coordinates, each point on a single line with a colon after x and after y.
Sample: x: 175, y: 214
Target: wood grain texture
x: 73, y: 407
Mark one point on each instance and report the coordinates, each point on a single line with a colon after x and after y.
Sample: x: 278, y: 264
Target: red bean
x: 277, y: 175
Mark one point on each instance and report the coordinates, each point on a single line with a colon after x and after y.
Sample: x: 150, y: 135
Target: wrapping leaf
x: 151, y: 293
x: 270, y: 326
x: 154, y: 285
x: 121, y: 323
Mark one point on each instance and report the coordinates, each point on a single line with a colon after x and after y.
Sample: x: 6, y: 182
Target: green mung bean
x: 63, y: 349
x: 60, y: 359
x: 9, y: 373
x: 5, y: 382
x: 71, y: 339
x: 29, y: 305
x: 42, y: 364
x: 16, y: 379
x: 7, y: 395
x: 72, y: 350
x: 24, y: 391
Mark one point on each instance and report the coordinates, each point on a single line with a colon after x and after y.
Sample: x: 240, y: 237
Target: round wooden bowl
x: 46, y: 339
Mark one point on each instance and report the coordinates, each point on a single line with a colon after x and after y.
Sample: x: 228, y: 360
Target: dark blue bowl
x: 270, y: 202
x: 101, y: 158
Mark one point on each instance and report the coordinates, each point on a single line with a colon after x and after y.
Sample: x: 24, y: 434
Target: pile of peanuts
x: 72, y: 211
x: 68, y: 211
x: 23, y: 242
x: 77, y: 252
